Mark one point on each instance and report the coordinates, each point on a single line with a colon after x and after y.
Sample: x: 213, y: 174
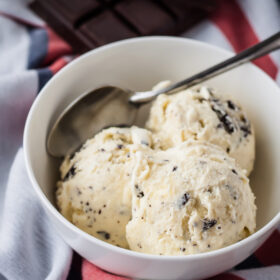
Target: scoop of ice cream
x: 94, y: 192
x: 200, y: 114
x: 189, y: 199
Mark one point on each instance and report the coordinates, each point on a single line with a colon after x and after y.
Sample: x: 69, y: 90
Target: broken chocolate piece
x: 139, y: 192
x: 246, y: 130
x: 174, y: 168
x: 224, y: 118
x: 231, y: 105
x: 184, y: 199
x: 71, y: 172
x: 207, y: 224
x: 104, y: 234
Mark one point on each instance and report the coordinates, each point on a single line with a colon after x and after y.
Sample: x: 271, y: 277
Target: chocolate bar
x: 88, y: 24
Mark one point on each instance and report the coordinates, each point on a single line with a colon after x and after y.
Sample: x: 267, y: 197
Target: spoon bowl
x: 105, y: 105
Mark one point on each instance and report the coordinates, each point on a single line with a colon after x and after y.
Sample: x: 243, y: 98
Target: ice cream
x: 189, y: 199
x: 200, y: 114
x: 178, y: 187
x: 94, y: 190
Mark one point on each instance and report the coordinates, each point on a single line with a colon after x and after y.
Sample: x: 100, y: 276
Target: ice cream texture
x: 94, y: 192
x: 177, y: 187
x: 194, y: 198
x: 200, y: 114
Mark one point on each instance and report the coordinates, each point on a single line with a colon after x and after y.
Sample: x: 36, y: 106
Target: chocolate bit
x: 246, y: 130
x: 184, y: 199
x: 139, y: 192
x: 183, y: 249
x: 228, y: 125
x: 234, y: 171
x: 228, y: 150
x: 210, y: 190
x: 120, y: 146
x: 224, y: 118
x: 231, y: 105
x: 104, y: 234
x: 71, y: 172
x: 174, y: 168
x: 207, y: 224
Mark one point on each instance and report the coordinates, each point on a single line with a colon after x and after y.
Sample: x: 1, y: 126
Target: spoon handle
x: 270, y: 44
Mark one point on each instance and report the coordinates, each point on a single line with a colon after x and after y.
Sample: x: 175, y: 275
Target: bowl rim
x: 51, y: 208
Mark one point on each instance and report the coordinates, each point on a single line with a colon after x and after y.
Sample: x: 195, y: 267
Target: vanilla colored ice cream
x: 94, y: 190
x: 200, y: 114
x: 177, y: 187
x: 189, y: 199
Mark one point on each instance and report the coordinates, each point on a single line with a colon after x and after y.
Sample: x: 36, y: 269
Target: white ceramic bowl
x: 139, y: 64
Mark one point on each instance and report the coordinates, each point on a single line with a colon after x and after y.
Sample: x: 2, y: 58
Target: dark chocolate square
x: 189, y: 9
x: 62, y: 26
x: 106, y: 28
x: 74, y: 10
x: 145, y: 16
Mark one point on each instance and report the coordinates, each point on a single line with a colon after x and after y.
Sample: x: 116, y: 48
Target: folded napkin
x: 30, y: 247
x: 30, y: 54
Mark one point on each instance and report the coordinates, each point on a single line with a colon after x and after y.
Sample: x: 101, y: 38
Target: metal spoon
x: 113, y: 106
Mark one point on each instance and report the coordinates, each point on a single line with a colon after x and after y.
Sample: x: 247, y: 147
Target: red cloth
x: 92, y: 272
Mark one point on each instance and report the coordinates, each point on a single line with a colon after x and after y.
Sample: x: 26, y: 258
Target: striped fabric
x: 31, y: 53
